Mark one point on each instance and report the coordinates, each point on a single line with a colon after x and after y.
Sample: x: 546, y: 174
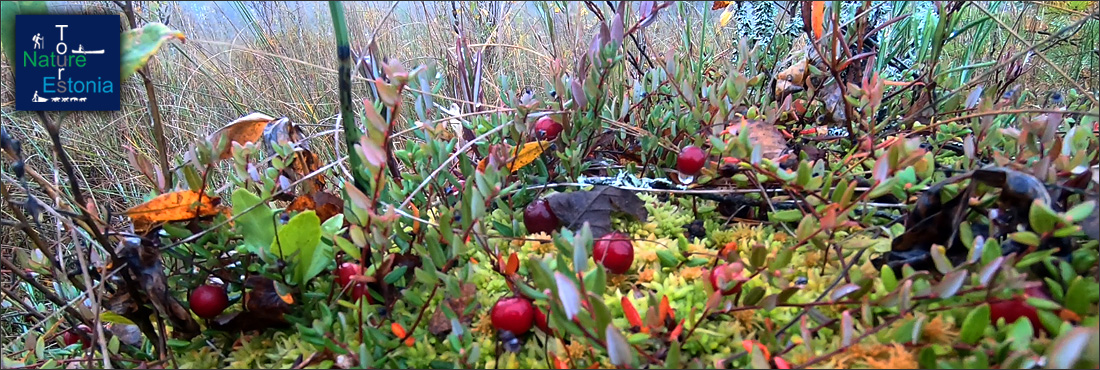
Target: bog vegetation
x: 564, y: 185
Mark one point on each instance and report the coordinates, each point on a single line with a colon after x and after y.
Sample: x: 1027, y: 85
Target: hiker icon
x: 38, y: 99
x: 37, y: 40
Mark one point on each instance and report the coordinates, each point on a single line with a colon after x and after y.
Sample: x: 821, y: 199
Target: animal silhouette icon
x: 65, y: 99
x: 55, y: 99
x: 83, y: 99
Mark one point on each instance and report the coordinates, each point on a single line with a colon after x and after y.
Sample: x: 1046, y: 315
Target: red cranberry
x: 346, y: 271
x: 547, y: 129
x: 539, y: 218
x: 691, y: 160
x: 514, y: 314
x: 615, y: 252
x: 209, y: 301
x: 726, y: 276
x: 344, y: 277
x: 541, y: 322
x: 70, y: 336
x: 1014, y: 308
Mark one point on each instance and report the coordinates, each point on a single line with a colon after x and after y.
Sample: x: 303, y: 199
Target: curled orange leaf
x: 175, y: 206
x: 246, y: 129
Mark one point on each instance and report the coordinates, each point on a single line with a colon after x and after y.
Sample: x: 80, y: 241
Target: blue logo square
x: 67, y: 62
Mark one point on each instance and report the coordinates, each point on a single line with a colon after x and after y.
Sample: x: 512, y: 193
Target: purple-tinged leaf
x: 568, y: 294
x: 968, y: 147
x: 881, y: 170
x: 974, y: 97
x: 847, y: 329
x: 647, y: 13
x: 985, y: 276
x: 578, y: 93
x: 950, y: 284
x: 371, y: 152
x: 1065, y: 351
x: 617, y: 29
x: 618, y: 349
x: 843, y: 291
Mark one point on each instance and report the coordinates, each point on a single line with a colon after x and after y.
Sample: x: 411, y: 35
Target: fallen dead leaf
x: 246, y: 129
x: 595, y: 207
x: 439, y: 324
x: 772, y: 143
x: 526, y: 155
x: 175, y: 206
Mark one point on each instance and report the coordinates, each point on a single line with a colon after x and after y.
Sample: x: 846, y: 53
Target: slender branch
x: 154, y: 107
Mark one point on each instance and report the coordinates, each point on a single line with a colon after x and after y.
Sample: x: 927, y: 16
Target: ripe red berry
x: 615, y: 252
x: 346, y: 271
x: 514, y: 314
x: 344, y: 277
x: 539, y: 218
x: 1014, y: 308
x: 71, y: 336
x: 540, y: 321
x: 209, y: 301
x: 725, y: 276
x: 691, y: 160
x: 547, y: 129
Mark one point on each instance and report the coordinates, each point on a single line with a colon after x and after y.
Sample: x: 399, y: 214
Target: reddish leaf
x: 664, y: 311
x: 631, y: 313
x: 675, y: 334
x: 817, y: 18
x: 513, y: 264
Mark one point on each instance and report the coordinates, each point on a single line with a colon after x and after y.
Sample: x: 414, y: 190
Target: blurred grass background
x: 278, y: 58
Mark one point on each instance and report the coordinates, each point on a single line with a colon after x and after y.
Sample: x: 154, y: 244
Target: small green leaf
x: 753, y: 295
x: 804, y: 173
x: 1020, y: 334
x: 758, y: 257
x: 990, y: 251
x: 1080, y: 295
x: 667, y: 258
x: 1080, y: 211
x: 782, y: 258
x: 974, y: 325
x: 395, y: 275
x: 787, y: 215
x: 349, y: 248
x: 889, y: 281
x: 1042, y: 218
x: 139, y: 44
x: 1025, y: 237
x: 1043, y: 303
x: 312, y: 260
x: 939, y: 257
x: 672, y: 360
x: 256, y: 225
x: 304, y: 229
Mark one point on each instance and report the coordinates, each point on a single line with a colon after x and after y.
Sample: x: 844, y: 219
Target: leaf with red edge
x: 513, y: 264
x: 675, y: 334
x: 631, y: 313
x: 780, y: 363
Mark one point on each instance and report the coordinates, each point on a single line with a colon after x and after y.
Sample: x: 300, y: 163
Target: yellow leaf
x: 175, y: 206
x: 726, y: 16
x: 114, y: 318
x: 526, y: 155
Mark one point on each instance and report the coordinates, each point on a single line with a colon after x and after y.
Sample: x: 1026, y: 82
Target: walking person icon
x: 37, y: 40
